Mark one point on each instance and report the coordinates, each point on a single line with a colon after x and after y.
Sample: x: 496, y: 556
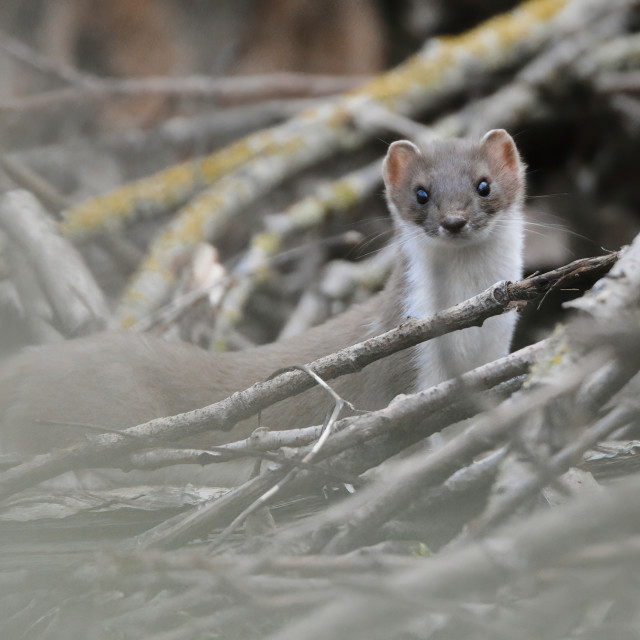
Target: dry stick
x: 609, y: 302
x: 364, y: 442
x: 160, y: 562
x: 312, y: 534
x: 255, y: 266
x: 178, y: 135
x: 160, y: 611
x: 24, y: 176
x: 610, y: 82
x: 560, y: 463
x: 269, y: 439
x: 43, y: 64
x: 437, y: 71
x: 591, y: 396
x: 91, y: 88
x: 505, y: 108
x: 377, y: 506
x: 238, y: 89
x: 272, y: 492
x: 160, y: 458
x: 573, y: 600
x: 536, y: 542
x: 66, y: 282
x: 410, y: 412
x: 34, y: 306
x: 260, y: 440
x: 464, y: 481
x: 106, y: 450
x: 612, y: 458
x: 602, y: 555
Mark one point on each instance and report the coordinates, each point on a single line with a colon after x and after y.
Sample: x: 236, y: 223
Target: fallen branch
x: 561, y: 462
x: 62, y: 288
x: 612, y: 458
x: 232, y: 90
x: 506, y: 108
x: 25, y: 177
x: 371, y: 508
x: 436, y: 71
x: 534, y: 543
x: 335, y: 198
x: 107, y: 449
x: 268, y: 157
x: 406, y: 421
x: 377, y: 505
x: 43, y: 64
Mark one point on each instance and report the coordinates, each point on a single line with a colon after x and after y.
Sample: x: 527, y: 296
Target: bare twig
x: 535, y: 542
x: 75, y: 300
x: 560, y: 462
x: 232, y: 90
x: 106, y: 449
x: 272, y: 492
x: 338, y: 197
x: 43, y: 64
x: 406, y: 414
x: 627, y: 82
x: 31, y: 181
x: 159, y: 458
x: 440, y: 463
x: 432, y: 75
x: 612, y: 458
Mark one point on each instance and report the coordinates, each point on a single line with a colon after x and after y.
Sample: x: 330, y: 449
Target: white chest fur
x: 440, y: 275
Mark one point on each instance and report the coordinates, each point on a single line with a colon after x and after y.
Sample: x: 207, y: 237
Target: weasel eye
x: 483, y: 188
x: 422, y: 196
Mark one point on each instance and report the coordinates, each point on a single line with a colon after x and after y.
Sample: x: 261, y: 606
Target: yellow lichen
x: 343, y: 195
x: 220, y: 345
x: 164, y: 190
x: 128, y: 322
x: 427, y: 68
x: 267, y: 242
x: 262, y: 274
x: 552, y: 358
x: 231, y: 315
x: 171, y: 187
x: 396, y: 89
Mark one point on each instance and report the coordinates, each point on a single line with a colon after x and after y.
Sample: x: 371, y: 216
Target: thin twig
x: 376, y: 506
x: 405, y: 414
x: 74, y: 301
x: 271, y: 493
x: 107, y: 449
x: 538, y: 541
x: 25, y: 177
x: 231, y: 90
x: 560, y: 462
x: 43, y: 64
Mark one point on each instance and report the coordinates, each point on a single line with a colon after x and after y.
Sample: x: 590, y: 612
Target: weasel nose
x: 454, y: 224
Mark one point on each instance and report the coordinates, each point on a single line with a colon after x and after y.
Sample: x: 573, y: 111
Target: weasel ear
x: 397, y: 161
x: 499, y: 145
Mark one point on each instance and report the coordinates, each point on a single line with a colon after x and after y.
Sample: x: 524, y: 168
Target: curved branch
x: 107, y: 449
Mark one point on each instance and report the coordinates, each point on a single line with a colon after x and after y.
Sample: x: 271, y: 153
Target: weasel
x: 456, y: 208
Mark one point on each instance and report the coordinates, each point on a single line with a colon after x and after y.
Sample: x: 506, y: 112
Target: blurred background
x: 97, y: 95
x: 580, y: 145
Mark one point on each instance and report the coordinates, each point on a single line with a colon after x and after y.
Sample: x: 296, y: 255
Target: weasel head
x: 456, y: 191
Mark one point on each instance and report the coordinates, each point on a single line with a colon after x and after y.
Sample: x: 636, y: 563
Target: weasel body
x: 466, y: 235
x: 456, y: 210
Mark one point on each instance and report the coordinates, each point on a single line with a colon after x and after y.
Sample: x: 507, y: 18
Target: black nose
x: 454, y: 224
